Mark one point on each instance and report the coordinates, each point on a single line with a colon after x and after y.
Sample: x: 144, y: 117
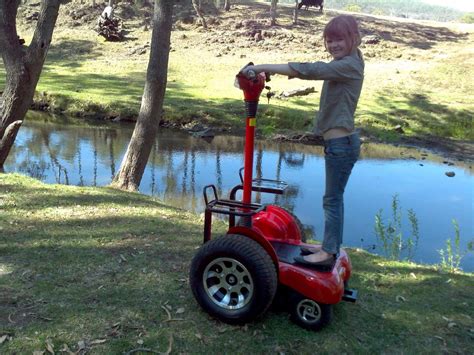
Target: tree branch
x: 7, y: 140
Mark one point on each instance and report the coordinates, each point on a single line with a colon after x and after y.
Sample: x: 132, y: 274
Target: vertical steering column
x: 252, y: 87
x: 251, y: 110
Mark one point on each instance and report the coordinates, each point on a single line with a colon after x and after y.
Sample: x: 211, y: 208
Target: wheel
x: 233, y: 279
x: 310, y: 314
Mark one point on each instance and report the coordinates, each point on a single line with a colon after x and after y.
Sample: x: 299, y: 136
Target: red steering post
x: 252, y: 88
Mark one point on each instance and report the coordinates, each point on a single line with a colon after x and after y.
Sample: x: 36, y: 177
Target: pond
x: 180, y: 165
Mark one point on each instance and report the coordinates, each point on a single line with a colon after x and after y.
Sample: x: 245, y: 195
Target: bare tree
x: 295, y: 13
x: 197, y: 8
x: 227, y: 5
x: 23, y: 66
x: 134, y: 162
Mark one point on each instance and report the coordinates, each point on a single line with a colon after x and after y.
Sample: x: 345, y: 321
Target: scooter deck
x: 287, y: 252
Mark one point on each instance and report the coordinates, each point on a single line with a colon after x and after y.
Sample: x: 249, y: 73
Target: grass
x: 106, y: 271
x: 411, y: 80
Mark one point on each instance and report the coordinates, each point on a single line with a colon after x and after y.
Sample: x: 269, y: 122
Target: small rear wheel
x: 310, y: 314
x: 233, y: 279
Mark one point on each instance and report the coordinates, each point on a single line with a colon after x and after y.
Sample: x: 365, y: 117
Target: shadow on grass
x: 417, y: 113
x: 124, y: 97
x: 32, y: 198
x: 94, y: 276
x: 71, y: 52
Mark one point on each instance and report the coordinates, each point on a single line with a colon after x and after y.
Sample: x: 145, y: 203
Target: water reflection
x: 181, y: 165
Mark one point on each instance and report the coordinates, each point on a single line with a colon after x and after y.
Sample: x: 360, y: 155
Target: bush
x: 353, y: 8
x: 468, y: 18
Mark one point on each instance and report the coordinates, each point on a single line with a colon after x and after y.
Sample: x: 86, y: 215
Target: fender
x: 265, y: 244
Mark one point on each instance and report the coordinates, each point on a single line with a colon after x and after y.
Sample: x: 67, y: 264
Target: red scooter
x: 238, y: 276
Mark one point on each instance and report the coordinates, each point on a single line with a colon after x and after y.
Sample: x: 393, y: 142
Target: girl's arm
x: 282, y: 69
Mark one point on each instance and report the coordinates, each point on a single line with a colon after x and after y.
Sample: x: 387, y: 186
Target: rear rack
x: 262, y: 185
x: 233, y: 208
x: 229, y: 207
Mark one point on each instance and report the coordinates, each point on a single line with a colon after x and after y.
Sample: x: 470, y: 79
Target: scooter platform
x: 286, y: 253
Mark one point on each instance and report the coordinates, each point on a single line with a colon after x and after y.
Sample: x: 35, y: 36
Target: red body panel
x: 276, y: 224
x: 323, y: 287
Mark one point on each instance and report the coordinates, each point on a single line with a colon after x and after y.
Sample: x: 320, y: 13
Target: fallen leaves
x: 167, y: 309
x: 50, y: 346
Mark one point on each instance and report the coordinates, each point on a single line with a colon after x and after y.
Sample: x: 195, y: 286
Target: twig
x: 9, y: 318
x: 146, y: 350
x: 167, y: 312
x: 170, y: 347
x: 170, y: 319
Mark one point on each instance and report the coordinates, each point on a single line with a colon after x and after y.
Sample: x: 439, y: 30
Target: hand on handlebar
x: 249, y: 71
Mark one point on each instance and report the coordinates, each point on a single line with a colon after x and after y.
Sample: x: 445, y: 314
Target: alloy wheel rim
x: 228, y: 283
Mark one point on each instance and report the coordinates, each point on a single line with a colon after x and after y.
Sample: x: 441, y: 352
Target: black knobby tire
x: 310, y: 314
x: 233, y: 279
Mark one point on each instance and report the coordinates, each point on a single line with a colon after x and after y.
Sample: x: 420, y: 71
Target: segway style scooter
x: 236, y: 277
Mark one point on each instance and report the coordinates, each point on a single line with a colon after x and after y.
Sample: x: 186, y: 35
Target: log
x: 296, y: 92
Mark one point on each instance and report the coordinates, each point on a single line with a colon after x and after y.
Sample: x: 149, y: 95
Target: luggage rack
x: 262, y: 185
x: 229, y: 207
x: 232, y: 207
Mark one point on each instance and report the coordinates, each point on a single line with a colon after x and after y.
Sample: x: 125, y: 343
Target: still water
x: 181, y: 165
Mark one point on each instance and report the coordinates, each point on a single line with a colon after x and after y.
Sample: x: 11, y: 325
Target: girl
x: 343, y: 78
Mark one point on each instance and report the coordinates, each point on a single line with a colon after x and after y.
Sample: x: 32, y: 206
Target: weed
x: 451, y: 256
x: 391, y: 236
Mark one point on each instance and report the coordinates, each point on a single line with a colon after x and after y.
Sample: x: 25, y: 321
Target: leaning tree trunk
x: 134, y: 162
x: 23, y: 67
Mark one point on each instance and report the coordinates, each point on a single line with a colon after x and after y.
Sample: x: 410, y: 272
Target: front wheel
x: 233, y: 279
x: 310, y: 314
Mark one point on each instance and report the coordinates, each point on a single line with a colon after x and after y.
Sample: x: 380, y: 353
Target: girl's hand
x: 249, y: 71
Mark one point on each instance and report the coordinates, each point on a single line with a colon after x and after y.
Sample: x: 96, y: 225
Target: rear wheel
x: 233, y: 278
x: 310, y: 314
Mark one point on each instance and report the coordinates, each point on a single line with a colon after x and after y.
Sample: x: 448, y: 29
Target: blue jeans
x: 340, y: 157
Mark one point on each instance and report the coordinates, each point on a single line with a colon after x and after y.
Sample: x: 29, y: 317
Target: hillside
x: 413, y: 70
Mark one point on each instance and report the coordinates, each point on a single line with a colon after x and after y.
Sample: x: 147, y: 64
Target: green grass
x: 96, y: 268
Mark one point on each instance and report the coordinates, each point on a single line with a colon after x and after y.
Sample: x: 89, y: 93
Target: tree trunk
x: 295, y: 13
x: 227, y: 5
x: 134, y: 162
x: 23, y: 65
x: 7, y: 142
x: 273, y: 12
x: 197, y: 8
